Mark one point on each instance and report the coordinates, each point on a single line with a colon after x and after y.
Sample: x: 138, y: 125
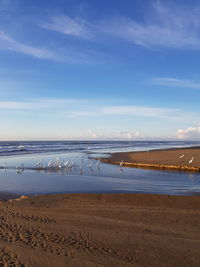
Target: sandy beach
x: 100, y: 230
x: 186, y: 159
x: 105, y: 229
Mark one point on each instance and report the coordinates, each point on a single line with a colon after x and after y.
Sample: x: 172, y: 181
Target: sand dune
x: 100, y: 230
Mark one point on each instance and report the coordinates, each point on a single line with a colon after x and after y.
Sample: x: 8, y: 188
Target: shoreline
x: 177, y: 159
x: 100, y: 230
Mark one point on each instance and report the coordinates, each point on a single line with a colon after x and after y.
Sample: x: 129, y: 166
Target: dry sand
x: 100, y: 230
x: 166, y: 159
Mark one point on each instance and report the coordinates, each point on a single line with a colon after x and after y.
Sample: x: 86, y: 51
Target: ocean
x: 34, y: 147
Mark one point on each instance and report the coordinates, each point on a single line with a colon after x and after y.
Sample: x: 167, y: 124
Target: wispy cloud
x: 174, y: 82
x: 86, y: 108
x: 79, y: 108
x: 134, y: 111
x: 117, y: 135
x: 81, y: 113
x: 139, y: 111
x: 64, y: 24
x: 8, y: 43
x: 164, y: 26
x: 67, y: 55
x: 167, y: 27
x: 121, y: 111
x: 39, y: 104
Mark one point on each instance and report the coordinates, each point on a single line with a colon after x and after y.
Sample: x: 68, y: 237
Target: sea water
x: 84, y: 178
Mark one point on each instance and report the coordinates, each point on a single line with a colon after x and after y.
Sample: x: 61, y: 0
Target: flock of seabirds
x: 56, y: 165
x: 60, y: 164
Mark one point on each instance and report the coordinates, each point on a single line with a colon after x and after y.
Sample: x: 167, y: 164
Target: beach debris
x: 181, y: 156
x: 190, y: 161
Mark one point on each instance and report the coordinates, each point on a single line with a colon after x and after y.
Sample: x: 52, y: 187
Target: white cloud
x: 191, y: 133
x: 173, y: 82
x: 69, y: 56
x: 89, y: 110
x: 168, y: 27
x: 76, y: 27
x: 39, y: 104
x: 118, y: 135
x: 81, y: 113
x: 13, y: 105
x: 7, y: 43
x: 78, y: 108
x: 164, y: 26
x: 101, y: 110
x: 139, y: 111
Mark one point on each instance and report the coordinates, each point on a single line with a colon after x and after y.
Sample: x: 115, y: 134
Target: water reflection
x: 83, y: 174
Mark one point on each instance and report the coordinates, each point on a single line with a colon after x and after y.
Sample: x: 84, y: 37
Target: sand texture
x: 178, y: 159
x: 100, y: 230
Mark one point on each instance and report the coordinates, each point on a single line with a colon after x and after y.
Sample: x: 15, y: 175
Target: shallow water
x: 103, y: 179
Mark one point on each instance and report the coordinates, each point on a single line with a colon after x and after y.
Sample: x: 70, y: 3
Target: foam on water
x: 20, y: 148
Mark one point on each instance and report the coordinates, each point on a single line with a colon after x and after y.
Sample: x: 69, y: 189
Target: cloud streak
x: 64, y: 24
x: 139, y: 111
x: 162, y: 27
x: 79, y: 108
x: 174, y: 82
x: 39, y: 104
x: 168, y: 27
x: 165, y: 26
x: 72, y: 55
x: 118, y: 135
x: 9, y: 44
x: 132, y: 111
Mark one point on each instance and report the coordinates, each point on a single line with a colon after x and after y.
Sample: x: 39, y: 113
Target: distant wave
x: 19, y: 148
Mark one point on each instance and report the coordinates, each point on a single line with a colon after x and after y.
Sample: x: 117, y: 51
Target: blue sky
x: 72, y: 69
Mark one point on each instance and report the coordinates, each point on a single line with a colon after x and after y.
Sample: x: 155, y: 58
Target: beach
x: 104, y: 229
x: 186, y: 159
x: 100, y: 230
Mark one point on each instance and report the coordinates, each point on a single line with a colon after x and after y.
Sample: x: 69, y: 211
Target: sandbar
x: 181, y: 159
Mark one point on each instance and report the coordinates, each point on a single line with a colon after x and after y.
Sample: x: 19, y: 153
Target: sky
x: 99, y: 70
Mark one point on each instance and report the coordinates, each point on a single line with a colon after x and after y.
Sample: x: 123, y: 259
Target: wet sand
x: 177, y: 159
x: 100, y: 230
